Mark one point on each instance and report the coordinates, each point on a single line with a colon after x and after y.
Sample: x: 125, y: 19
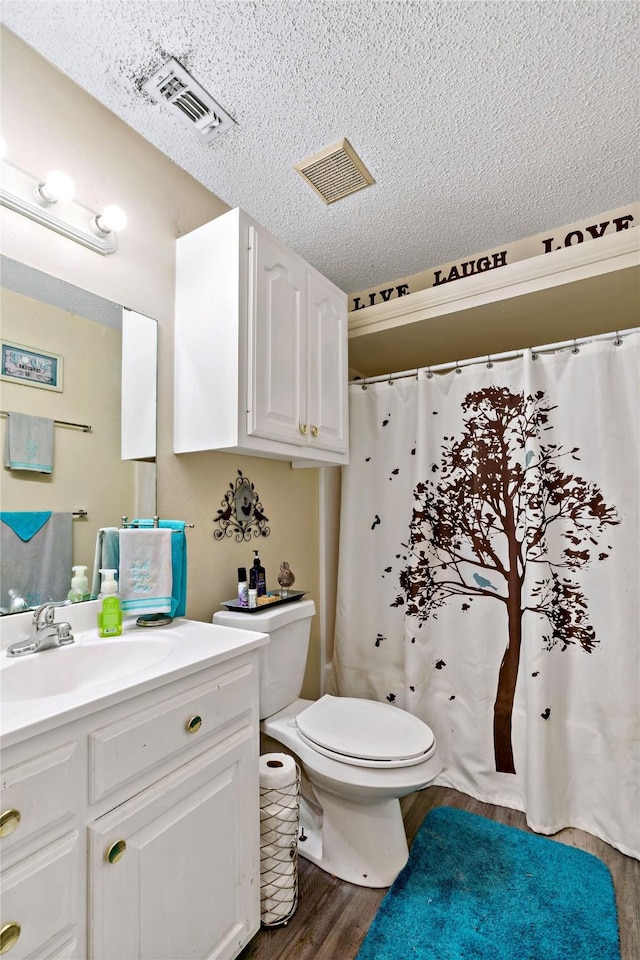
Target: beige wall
x: 50, y: 122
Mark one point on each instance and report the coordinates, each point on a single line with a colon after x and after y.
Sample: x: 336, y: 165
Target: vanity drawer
x: 40, y: 897
x: 142, y: 740
x: 37, y: 792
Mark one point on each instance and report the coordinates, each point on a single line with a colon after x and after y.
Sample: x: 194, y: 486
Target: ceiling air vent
x: 335, y: 172
x: 190, y: 102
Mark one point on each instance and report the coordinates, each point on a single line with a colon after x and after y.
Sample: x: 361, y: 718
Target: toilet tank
x: 283, y: 659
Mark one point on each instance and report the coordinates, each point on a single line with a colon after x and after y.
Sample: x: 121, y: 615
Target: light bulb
x: 56, y: 187
x: 111, y: 218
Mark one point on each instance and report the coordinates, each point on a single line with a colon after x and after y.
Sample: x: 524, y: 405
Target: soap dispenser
x: 110, y: 613
x: 79, y: 585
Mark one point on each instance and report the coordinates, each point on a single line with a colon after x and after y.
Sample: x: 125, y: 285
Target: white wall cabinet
x: 261, y: 348
x: 125, y: 836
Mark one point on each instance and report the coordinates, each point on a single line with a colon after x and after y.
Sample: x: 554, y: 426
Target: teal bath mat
x: 474, y: 889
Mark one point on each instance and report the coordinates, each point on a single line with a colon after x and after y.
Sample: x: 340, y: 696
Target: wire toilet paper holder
x: 279, y: 827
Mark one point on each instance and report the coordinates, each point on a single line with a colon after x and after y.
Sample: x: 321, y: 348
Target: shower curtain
x: 489, y: 575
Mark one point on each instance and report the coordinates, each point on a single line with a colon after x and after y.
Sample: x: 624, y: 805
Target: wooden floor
x: 333, y: 916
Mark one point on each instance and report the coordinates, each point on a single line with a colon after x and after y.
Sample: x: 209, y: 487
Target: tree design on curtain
x: 481, y: 526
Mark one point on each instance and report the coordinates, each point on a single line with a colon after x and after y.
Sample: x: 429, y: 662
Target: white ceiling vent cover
x: 173, y: 86
x: 335, y: 172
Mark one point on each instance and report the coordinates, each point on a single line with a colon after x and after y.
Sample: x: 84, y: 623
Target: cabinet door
x: 139, y: 390
x: 187, y: 884
x: 327, y: 346
x: 276, y: 342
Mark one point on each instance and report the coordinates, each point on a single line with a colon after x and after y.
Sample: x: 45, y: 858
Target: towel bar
x: 85, y: 427
x: 142, y: 524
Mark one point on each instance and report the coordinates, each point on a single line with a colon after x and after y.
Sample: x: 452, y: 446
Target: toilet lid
x: 365, y: 732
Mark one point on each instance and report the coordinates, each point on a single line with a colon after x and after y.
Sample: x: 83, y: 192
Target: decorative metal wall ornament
x: 242, y: 513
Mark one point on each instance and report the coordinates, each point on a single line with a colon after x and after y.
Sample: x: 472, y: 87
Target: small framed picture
x: 25, y: 365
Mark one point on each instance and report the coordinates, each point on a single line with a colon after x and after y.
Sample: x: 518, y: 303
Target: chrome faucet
x: 45, y: 634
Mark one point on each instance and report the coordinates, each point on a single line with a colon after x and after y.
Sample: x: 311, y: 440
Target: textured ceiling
x: 482, y: 123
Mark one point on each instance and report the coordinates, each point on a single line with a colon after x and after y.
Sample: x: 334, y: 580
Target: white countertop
x: 186, y: 646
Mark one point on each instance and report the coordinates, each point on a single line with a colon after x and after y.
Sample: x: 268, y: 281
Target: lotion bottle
x: 110, y: 614
x: 258, y: 576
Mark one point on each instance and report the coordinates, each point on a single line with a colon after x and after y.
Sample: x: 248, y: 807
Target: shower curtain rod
x: 490, y: 358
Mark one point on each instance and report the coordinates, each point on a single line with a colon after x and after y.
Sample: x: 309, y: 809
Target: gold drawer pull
x: 9, y: 820
x: 9, y: 936
x: 194, y: 724
x: 116, y: 851
x: 314, y: 431
x: 303, y: 428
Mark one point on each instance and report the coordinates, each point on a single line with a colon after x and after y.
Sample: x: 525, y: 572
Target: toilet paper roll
x: 277, y: 770
x: 279, y: 823
x: 285, y: 796
x: 277, y: 837
x: 283, y: 810
x: 279, y: 851
x: 273, y: 912
x: 272, y: 870
x: 278, y: 886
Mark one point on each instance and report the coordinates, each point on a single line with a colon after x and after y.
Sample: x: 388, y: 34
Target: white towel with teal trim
x: 28, y: 443
x: 145, y: 571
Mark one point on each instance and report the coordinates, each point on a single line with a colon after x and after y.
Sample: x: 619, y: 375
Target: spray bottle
x: 243, y: 587
x: 110, y: 613
x: 79, y: 585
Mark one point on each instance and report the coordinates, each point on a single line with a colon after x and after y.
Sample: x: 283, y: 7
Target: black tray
x: 291, y: 596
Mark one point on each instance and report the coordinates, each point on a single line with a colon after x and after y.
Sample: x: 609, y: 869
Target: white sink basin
x: 41, y: 691
x: 78, y: 666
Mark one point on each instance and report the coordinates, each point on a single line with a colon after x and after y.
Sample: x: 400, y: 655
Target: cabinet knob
x: 9, y: 936
x: 194, y: 724
x: 314, y: 431
x: 116, y: 851
x: 303, y: 428
x: 9, y: 820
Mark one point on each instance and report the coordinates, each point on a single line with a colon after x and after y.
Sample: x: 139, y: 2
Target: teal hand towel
x: 38, y: 568
x: 28, y: 443
x: 107, y: 556
x: 178, y: 563
x: 25, y: 523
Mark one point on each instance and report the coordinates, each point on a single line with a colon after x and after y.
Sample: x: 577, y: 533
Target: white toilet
x: 360, y: 756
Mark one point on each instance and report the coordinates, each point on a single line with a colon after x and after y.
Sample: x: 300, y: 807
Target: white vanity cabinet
x: 42, y: 849
x: 260, y: 350
x: 133, y: 831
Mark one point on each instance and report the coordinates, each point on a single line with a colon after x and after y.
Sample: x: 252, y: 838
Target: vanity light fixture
x: 50, y: 202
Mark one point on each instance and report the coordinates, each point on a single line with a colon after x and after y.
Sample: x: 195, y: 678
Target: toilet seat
x: 365, y: 733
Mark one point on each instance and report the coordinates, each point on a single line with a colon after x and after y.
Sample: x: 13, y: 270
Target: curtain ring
x: 390, y: 380
x: 458, y: 370
x: 364, y: 384
x: 575, y: 348
x: 418, y: 373
x: 489, y: 361
x: 618, y: 340
x: 534, y: 356
x: 429, y: 374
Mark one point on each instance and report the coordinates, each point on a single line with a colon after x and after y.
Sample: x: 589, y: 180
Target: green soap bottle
x: 110, y: 613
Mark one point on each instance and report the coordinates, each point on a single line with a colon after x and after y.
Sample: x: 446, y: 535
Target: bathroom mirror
x: 89, y: 477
